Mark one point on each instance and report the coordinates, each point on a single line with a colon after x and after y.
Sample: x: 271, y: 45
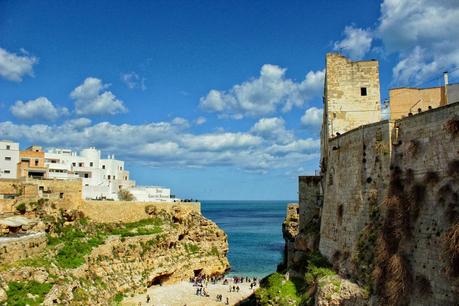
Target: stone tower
x: 351, y: 96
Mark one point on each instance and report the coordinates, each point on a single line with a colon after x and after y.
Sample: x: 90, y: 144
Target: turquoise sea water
x: 254, y: 230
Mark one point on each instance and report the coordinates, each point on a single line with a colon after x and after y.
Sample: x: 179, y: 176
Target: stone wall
x: 357, y: 175
x: 359, y: 182
x: 17, y: 248
x: 29, y: 190
x: 426, y: 151
x: 121, y: 211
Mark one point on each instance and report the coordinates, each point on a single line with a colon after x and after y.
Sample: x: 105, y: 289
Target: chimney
x: 445, y: 78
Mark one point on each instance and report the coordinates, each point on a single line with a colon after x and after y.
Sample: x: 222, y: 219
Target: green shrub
x: 317, y: 267
x: 118, y: 298
x: 276, y: 290
x: 17, y: 293
x: 191, y: 248
x: 21, y: 208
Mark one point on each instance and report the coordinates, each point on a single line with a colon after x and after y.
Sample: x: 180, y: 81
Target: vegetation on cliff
x: 276, y: 289
x: 27, y: 293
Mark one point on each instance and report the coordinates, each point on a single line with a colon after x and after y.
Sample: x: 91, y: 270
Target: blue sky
x: 215, y: 99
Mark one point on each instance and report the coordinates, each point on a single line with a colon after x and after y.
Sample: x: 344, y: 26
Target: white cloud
x: 312, y: 117
x: 40, y: 108
x: 356, y: 42
x: 424, y: 33
x: 172, y: 144
x: 200, y: 121
x: 13, y: 66
x: 179, y: 121
x: 91, y: 99
x: 264, y: 95
x: 133, y: 80
x: 273, y: 129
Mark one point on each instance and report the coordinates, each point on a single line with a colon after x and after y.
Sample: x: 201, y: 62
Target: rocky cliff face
x: 87, y: 262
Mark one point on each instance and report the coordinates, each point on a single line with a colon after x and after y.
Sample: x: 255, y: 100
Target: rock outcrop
x: 336, y: 291
x: 116, y: 259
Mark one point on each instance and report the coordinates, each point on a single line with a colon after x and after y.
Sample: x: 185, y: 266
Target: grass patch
x: 191, y: 248
x: 139, y: 228
x: 76, y: 245
x: 18, y: 291
x: 214, y: 251
x: 276, y: 290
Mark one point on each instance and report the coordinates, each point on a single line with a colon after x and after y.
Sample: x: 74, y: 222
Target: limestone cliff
x: 97, y: 263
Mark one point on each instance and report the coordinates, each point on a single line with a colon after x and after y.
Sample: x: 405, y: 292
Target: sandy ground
x: 184, y: 293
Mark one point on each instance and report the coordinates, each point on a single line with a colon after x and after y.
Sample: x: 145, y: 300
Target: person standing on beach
x: 148, y: 298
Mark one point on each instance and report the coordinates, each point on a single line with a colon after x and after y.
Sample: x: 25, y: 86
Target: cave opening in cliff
x: 160, y: 279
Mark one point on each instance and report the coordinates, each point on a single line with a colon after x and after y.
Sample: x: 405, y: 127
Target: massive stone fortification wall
x: 426, y: 155
x: 391, y: 200
x: 355, y: 179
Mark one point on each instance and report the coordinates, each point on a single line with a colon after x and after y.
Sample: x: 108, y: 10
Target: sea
x: 254, y: 230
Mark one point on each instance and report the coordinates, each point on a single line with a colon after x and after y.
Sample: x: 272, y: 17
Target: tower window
x: 363, y: 91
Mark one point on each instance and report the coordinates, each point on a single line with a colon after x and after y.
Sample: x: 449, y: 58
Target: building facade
x: 152, y: 194
x: 407, y: 101
x: 101, y: 178
x: 9, y: 158
x: 32, y: 163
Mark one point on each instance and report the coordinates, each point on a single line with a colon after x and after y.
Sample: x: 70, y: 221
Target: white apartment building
x: 152, y: 194
x: 9, y: 158
x: 102, y: 178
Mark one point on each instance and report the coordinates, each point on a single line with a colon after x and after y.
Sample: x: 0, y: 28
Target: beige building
x: 32, y: 163
x: 405, y: 101
x: 351, y: 96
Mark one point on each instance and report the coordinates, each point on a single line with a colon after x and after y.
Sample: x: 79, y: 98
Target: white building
x: 102, y: 178
x: 9, y: 158
x: 152, y: 194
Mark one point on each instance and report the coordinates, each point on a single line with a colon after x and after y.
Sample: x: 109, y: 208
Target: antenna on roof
x: 445, y: 79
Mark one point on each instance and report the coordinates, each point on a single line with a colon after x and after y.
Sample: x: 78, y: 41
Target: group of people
x: 201, y: 283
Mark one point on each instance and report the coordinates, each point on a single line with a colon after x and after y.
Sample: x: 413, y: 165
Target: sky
x: 214, y: 99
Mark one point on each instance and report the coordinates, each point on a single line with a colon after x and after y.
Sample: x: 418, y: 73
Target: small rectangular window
x: 91, y: 164
x: 74, y: 164
x: 363, y: 91
x: 8, y: 147
x: 103, y: 166
x: 7, y: 171
x: 36, y: 162
x: 7, y: 158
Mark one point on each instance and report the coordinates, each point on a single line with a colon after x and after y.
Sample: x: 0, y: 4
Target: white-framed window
x: 7, y: 158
